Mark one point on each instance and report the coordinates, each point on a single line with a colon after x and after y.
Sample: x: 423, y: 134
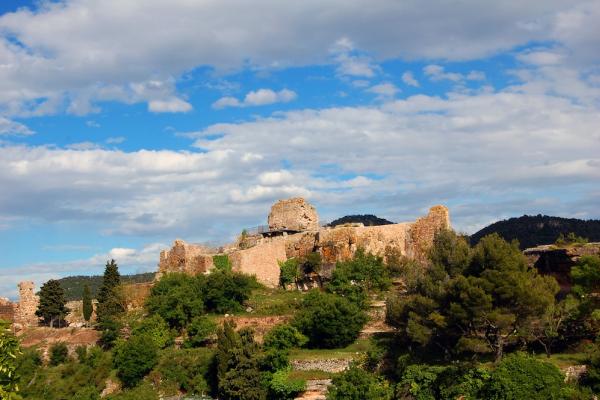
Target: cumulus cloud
x: 72, y: 54
x: 384, y: 90
x: 259, y: 97
x: 409, y: 79
x: 438, y: 73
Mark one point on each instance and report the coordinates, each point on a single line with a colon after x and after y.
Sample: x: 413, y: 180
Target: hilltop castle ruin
x: 294, y: 231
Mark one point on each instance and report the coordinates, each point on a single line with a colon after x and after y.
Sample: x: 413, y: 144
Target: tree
x: 59, y: 353
x: 358, y: 384
x: 474, y: 306
x: 284, y: 337
x: 134, y: 358
x: 225, y: 291
x: 88, y: 308
x: 289, y: 272
x: 329, y: 320
x: 238, y: 365
x: 9, y: 350
x: 199, y: 330
x: 110, y: 302
x: 156, y: 329
x: 52, y: 303
x: 519, y: 376
x: 177, y: 298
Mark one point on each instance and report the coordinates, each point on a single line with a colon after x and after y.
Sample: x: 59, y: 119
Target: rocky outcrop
x: 294, y: 214
x: 186, y: 258
x: 558, y: 261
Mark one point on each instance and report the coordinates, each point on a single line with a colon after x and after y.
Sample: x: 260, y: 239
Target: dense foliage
x: 9, y: 350
x: 358, y: 384
x: 366, y: 220
x: 534, y: 230
x: 473, y: 301
x: 52, y: 307
x: 59, y: 353
x: 110, y: 300
x: 329, y: 320
x: 87, y: 306
x: 134, y: 358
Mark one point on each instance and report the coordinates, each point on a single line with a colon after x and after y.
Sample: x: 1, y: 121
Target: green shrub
x: 365, y: 269
x: 289, y: 272
x: 59, y: 353
x: 199, y: 330
x: 419, y: 382
x: 142, y: 392
x: 110, y: 332
x: 81, y: 352
x: 225, y: 292
x: 519, y: 376
x: 155, y: 328
x: 87, y: 393
x: 283, y: 337
x: 358, y: 384
x: 177, y: 298
x: 134, y: 358
x: 185, y: 369
x: 461, y: 382
x: 328, y: 320
x: 222, y: 263
x: 281, y: 387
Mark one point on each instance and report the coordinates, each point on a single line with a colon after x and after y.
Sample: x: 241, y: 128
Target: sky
x: 127, y: 124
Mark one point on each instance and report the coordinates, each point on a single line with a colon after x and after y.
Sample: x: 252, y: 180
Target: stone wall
x: 28, y: 304
x: 136, y: 294
x: 261, y: 257
x: 186, y: 258
x: 7, y: 310
x: 261, y: 261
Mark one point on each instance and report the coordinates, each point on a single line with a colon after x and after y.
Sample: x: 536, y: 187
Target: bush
x: 328, y: 320
x: 419, y: 382
x: 59, y: 353
x: 186, y: 369
x: 281, y: 387
x: 141, y: 392
x: 134, y: 358
x: 284, y: 337
x: 289, y: 272
x: 199, y: 330
x: 155, y: 328
x: 222, y: 263
x: 519, y: 376
x: 110, y: 332
x: 358, y: 384
x: 177, y: 298
x: 87, y: 393
x: 365, y: 269
x: 225, y: 292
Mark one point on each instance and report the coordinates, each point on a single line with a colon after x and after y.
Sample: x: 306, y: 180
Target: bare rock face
x: 294, y: 214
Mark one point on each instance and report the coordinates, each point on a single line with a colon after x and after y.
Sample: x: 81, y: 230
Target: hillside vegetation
x: 366, y: 220
x: 535, y: 230
x: 73, y: 285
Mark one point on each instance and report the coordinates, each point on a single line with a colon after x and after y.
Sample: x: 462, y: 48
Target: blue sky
x: 125, y: 125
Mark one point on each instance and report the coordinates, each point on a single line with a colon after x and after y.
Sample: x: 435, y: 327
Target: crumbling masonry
x: 294, y: 231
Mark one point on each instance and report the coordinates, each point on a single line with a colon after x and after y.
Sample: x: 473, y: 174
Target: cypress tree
x: 88, y: 308
x: 52, y: 303
x: 109, y: 299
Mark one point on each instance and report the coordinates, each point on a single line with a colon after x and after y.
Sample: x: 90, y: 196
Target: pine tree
x: 52, y: 303
x: 88, y: 308
x: 109, y: 299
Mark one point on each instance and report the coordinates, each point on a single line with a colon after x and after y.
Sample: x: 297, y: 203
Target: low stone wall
x: 333, y: 365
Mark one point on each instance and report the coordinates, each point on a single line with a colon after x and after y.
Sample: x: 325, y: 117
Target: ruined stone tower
x: 28, y: 304
x: 293, y: 215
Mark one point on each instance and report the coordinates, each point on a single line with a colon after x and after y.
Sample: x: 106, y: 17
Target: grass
x: 360, y: 346
x: 265, y: 302
x: 563, y: 360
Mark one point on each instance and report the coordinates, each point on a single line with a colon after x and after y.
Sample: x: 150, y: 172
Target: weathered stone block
x: 294, y: 214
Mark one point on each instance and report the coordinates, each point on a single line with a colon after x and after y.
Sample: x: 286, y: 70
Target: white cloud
x: 73, y: 54
x: 92, y: 124
x: 115, y: 140
x: 8, y: 127
x: 384, y: 90
x: 172, y: 105
x: 409, y: 79
x: 259, y: 97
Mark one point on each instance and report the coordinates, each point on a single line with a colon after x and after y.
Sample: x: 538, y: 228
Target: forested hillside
x: 534, y: 230
x: 73, y: 285
x: 367, y: 220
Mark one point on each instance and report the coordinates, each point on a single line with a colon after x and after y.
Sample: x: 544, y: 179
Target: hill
x: 366, y: 220
x: 73, y: 285
x: 534, y: 230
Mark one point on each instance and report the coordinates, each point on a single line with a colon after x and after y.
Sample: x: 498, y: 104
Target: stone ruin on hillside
x: 294, y: 231
x: 22, y: 314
